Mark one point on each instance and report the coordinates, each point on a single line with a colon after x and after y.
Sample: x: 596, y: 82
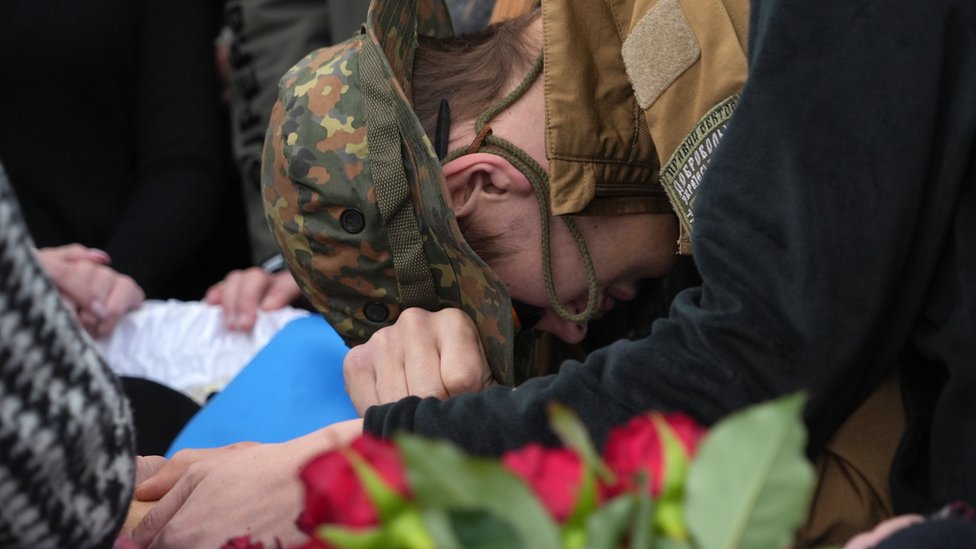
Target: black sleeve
x: 177, y: 192
x: 945, y: 533
x: 819, y: 226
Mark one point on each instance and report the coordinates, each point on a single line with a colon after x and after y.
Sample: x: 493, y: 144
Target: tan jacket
x: 658, y: 79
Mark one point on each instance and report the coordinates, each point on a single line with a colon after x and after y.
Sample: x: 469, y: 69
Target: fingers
x: 77, y: 252
x: 423, y: 354
x: 284, y: 290
x: 421, y: 375
x: 241, y: 293
x: 215, y: 294
x: 165, y: 477
x: 72, y: 252
x: 99, y: 295
x: 147, y: 466
x: 123, y: 295
x: 169, y: 474
x: 469, y: 371
x: 163, y: 511
x: 871, y: 538
x: 360, y: 378
x: 453, y: 364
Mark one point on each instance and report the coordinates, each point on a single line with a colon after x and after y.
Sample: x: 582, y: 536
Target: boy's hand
x: 423, y: 354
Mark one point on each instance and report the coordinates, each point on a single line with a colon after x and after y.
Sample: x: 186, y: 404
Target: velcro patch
x: 659, y: 49
x: 683, y: 172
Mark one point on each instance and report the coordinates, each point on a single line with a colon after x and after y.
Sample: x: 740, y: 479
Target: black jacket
x: 835, y: 234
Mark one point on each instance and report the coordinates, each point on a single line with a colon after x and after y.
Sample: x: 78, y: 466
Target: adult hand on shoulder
x: 249, y: 489
x: 241, y: 293
x: 98, y: 294
x: 423, y: 354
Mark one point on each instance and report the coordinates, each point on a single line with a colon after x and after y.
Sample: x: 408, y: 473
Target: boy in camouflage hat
x: 504, y: 178
x: 799, y: 283
x: 366, y: 244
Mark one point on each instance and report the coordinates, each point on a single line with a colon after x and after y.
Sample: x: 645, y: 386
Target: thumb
x: 161, y: 513
x: 164, y: 475
x: 82, y: 253
x: 147, y: 466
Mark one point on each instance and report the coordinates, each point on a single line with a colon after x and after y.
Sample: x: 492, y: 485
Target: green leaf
x: 668, y: 543
x: 750, y: 484
x: 482, y: 530
x: 572, y: 433
x: 349, y: 538
x: 407, y: 530
x: 388, y: 503
x: 439, y: 525
x: 606, y: 526
x: 641, y: 529
x: 675, y: 468
x: 668, y: 517
x: 442, y: 476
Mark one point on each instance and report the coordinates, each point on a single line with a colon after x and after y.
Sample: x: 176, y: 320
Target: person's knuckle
x: 240, y: 445
x: 171, y: 536
x: 463, y: 379
x: 356, y: 363
x: 184, y: 456
x: 414, y: 318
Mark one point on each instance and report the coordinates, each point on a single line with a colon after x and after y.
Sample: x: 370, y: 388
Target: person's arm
x: 816, y: 217
x: 66, y: 440
x: 178, y: 190
x: 249, y: 489
x: 267, y: 38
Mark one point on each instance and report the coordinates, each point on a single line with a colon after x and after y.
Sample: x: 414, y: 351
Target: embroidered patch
x: 683, y: 172
x: 659, y: 49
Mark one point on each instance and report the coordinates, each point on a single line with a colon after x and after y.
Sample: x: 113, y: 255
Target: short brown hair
x: 470, y: 71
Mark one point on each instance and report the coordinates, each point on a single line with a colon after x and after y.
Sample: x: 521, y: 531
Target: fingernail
x: 124, y: 542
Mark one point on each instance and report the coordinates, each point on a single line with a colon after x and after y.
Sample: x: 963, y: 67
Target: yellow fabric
x: 605, y: 151
x: 852, y: 493
x: 508, y: 9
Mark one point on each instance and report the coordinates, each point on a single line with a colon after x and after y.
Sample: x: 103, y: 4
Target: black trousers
x: 158, y: 412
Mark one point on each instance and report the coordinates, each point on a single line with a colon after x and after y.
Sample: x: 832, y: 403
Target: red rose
x: 242, y: 542
x: 554, y: 474
x: 313, y: 543
x: 333, y: 492
x: 637, y: 446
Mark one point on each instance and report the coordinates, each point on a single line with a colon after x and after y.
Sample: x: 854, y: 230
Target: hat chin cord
x: 539, y: 179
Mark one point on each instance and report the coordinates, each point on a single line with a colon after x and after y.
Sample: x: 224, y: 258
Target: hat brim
x: 343, y: 137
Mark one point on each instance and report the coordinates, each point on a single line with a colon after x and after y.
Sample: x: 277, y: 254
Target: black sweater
x: 835, y: 234
x: 109, y: 131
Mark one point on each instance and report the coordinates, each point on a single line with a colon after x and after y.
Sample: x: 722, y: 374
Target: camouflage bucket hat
x: 355, y: 195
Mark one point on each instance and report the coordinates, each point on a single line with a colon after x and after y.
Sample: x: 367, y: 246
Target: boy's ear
x: 474, y: 179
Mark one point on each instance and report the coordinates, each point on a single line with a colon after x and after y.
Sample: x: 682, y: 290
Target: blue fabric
x: 290, y: 388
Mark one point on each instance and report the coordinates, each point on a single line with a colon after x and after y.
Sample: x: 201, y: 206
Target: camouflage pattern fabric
x: 355, y: 195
